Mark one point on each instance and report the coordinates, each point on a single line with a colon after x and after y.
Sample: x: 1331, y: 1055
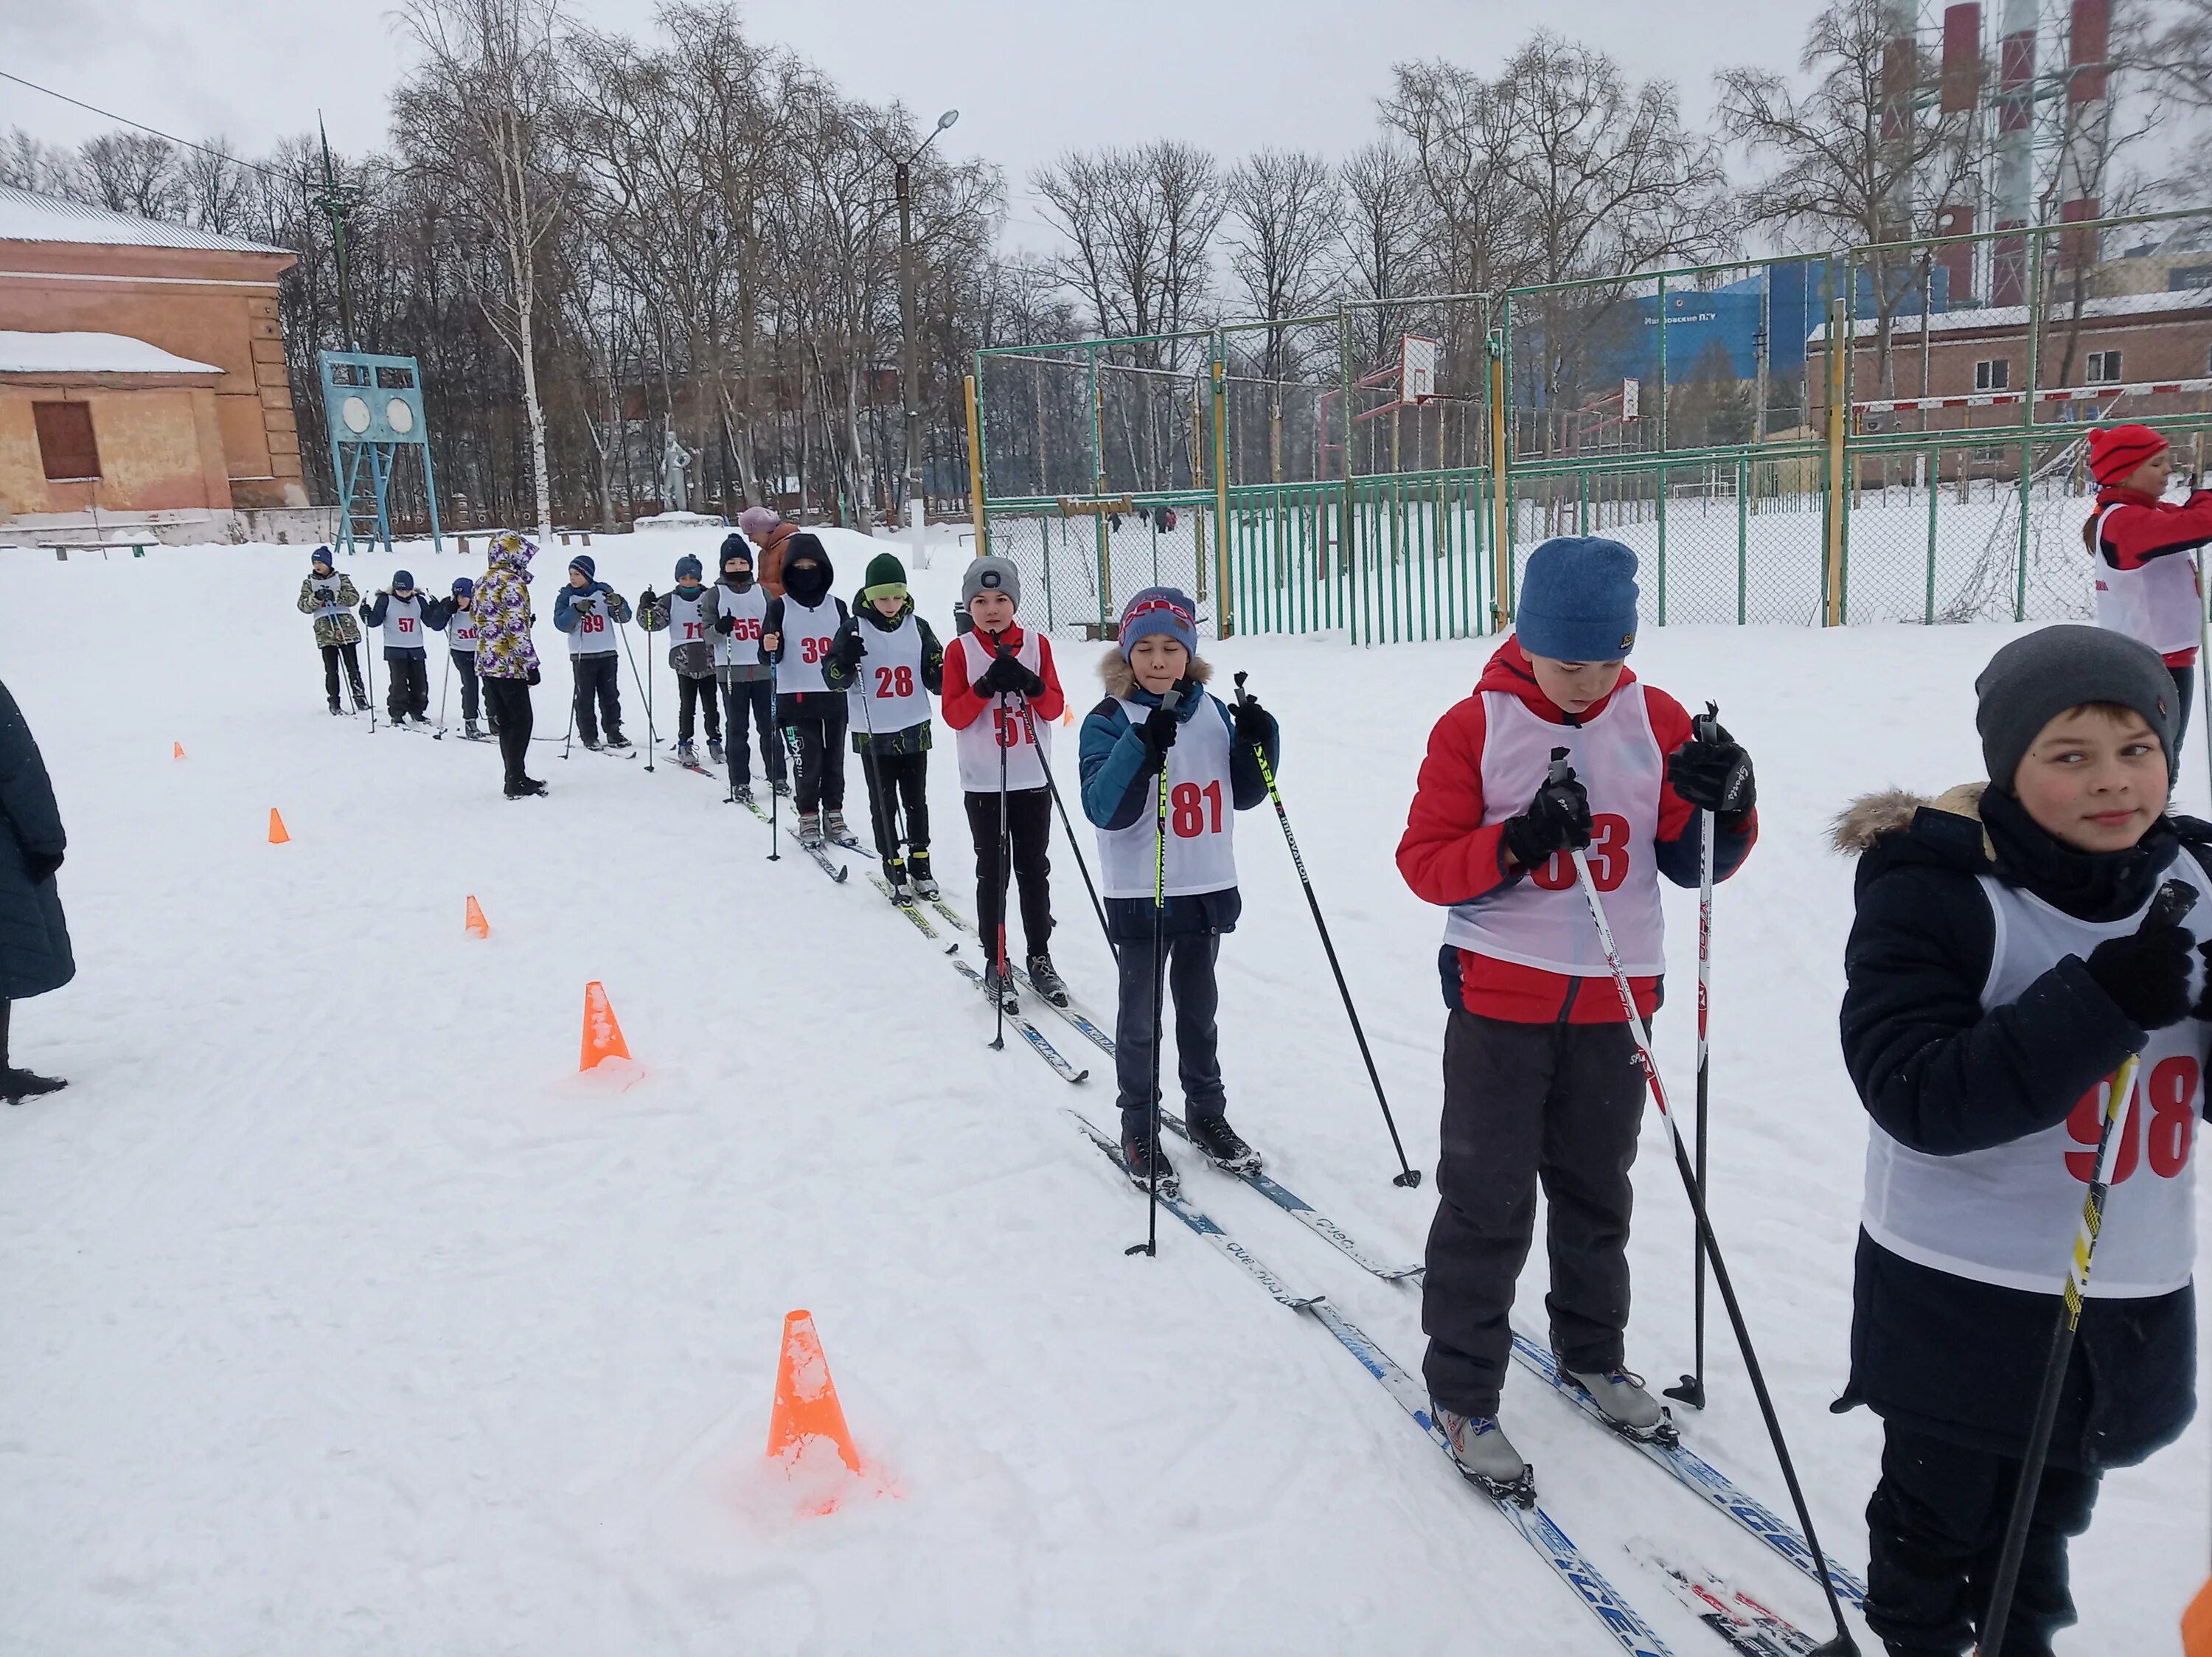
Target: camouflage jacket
x: 339, y: 628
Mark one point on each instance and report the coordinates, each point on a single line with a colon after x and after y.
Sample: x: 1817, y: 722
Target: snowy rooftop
x: 89, y: 353
x: 26, y: 216
x: 2015, y: 316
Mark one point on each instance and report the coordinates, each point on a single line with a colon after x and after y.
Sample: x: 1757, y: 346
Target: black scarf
x: 2090, y: 885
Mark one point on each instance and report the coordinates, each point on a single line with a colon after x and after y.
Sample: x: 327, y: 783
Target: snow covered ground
x: 343, y: 1316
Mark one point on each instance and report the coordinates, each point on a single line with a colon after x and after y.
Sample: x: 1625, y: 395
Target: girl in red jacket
x: 1541, y: 1078
x: 2145, y: 582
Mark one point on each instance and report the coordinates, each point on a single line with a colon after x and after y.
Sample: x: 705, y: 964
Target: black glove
x: 532, y: 677
x: 41, y: 865
x: 850, y: 648
x: 1558, y: 820
x: 726, y: 626
x: 2146, y: 974
x: 1254, y: 724
x: 1005, y: 676
x: 1712, y: 771
x: 648, y: 599
x: 1160, y: 733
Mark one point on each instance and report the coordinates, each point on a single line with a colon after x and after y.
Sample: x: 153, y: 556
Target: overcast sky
x: 1031, y: 78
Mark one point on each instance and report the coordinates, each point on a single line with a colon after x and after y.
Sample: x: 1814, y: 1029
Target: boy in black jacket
x: 888, y: 664
x: 1999, y: 970
x: 796, y: 631
x: 407, y: 617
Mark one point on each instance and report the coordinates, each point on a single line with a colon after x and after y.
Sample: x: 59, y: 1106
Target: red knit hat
x: 2115, y: 453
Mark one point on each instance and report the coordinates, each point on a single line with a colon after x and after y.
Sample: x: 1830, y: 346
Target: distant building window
x: 65, y: 443
x: 1993, y: 374
x: 2103, y: 369
x: 2189, y: 276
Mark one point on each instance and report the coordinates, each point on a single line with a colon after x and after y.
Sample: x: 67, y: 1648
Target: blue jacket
x: 435, y: 614
x: 1117, y: 787
x: 564, y: 605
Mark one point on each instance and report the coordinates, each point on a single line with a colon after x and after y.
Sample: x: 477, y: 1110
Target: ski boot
x: 617, y: 743
x: 1627, y: 1408
x: 1137, y: 1157
x: 16, y: 1086
x: 836, y: 831
x: 359, y: 702
x: 1045, y: 979
x: 592, y: 743
x: 742, y: 795
x: 471, y: 730
x: 1000, y: 992
x: 925, y: 883
x: 525, y: 788
x: 1483, y: 1452
x: 781, y: 785
x: 713, y: 750
x: 1218, y: 1143
x: 418, y: 719
x: 686, y: 754
x: 335, y: 709
x: 810, y: 830
x: 895, y: 877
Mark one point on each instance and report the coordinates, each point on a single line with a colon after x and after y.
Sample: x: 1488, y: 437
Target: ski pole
x: 1691, y: 1392
x: 368, y: 662
x: 1843, y: 1645
x: 774, y: 796
x: 1028, y: 724
x: 645, y: 689
x: 2174, y: 900
x: 445, y: 684
x: 1005, y: 874
x: 1151, y: 1246
x: 884, y: 811
x: 569, y: 735
x: 1408, y: 1176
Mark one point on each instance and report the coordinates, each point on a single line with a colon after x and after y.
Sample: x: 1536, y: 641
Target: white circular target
x: 355, y: 412
x: 398, y: 416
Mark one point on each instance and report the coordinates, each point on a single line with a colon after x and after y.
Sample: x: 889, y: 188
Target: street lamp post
x: 909, y: 345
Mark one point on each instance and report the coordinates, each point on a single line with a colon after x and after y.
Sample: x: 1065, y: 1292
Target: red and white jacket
x: 2143, y: 589
x: 1450, y: 856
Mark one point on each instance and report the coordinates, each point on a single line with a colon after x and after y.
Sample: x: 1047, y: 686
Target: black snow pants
x: 1559, y: 1103
x: 1935, y: 1526
x: 758, y: 695
x: 408, y: 693
x: 898, y: 798
x: 464, y: 669
x: 508, y: 700
x: 598, y: 695
x: 1028, y: 826
x: 352, y: 654
x: 693, y: 697
x: 820, y: 735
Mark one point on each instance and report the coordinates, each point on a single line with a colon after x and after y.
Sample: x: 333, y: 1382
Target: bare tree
x: 1385, y: 230
x: 212, y: 184
x: 483, y: 109
x: 29, y: 163
x: 1142, y: 224
x: 1284, y: 212
x: 134, y: 172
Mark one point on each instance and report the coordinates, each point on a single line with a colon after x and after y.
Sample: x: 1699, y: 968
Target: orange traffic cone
x: 2197, y: 1624
x: 806, y: 1404
x: 603, y: 1036
x: 277, y: 833
x: 474, y: 922
x: 176, y: 750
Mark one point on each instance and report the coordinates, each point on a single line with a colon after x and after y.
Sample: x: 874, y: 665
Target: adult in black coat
x: 34, y: 945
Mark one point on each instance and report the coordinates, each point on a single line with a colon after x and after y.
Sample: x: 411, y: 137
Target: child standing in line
x: 1541, y: 1077
x: 2143, y: 543
x: 2002, y: 966
x: 797, y: 630
x: 588, y: 611
x: 406, y: 617
x: 888, y: 663
x: 994, y: 675
x: 330, y: 598
x: 736, y: 607
x: 1178, y: 887
x: 461, y: 636
x: 682, y: 615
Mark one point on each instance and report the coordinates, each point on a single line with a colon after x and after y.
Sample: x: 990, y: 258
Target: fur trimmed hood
x: 1121, y: 678
x: 1868, y: 819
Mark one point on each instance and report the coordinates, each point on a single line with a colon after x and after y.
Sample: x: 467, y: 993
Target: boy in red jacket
x: 1541, y: 1078
x: 2145, y: 588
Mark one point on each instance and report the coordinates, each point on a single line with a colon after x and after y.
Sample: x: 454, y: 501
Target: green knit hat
x: 886, y: 578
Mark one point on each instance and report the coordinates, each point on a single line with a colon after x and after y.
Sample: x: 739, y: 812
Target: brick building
x: 142, y: 383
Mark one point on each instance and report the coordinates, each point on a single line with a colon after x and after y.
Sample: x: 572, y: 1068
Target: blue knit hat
x: 1577, y: 600
x: 583, y: 561
x: 403, y: 578
x: 463, y: 587
x: 320, y: 554
x: 1159, y: 610
x: 688, y: 565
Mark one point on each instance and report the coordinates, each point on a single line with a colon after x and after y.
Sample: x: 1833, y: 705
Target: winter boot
x: 835, y: 830
x: 525, y: 788
x: 781, y: 785
x: 1045, y: 979
x: 592, y: 743
x: 16, y: 1086
x: 334, y: 704
x: 1628, y: 1408
x: 715, y: 750
x: 1137, y: 1157
x: 895, y: 877
x: 925, y: 883
x: 742, y: 795
x: 686, y: 754
x: 618, y: 742
x: 1218, y: 1143
x: 471, y: 729
x: 810, y: 830
x: 1000, y: 991
x: 1487, y: 1457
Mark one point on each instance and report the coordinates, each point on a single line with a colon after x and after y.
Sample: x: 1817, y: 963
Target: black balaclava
x: 806, y: 571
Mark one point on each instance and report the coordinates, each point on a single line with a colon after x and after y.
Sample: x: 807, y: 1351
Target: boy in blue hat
x: 406, y: 617
x: 461, y: 649
x: 683, y: 615
x: 1158, y: 726
x: 588, y: 611
x: 1541, y: 1078
x: 330, y: 598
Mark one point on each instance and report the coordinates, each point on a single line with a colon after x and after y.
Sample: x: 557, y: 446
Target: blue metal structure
x: 374, y: 407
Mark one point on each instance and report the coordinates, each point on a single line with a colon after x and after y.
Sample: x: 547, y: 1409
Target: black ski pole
x: 645, y: 690
x: 368, y: 662
x: 1409, y: 1176
x: 1075, y: 846
x: 1151, y: 1246
x: 774, y: 796
x: 1843, y: 1645
x: 2174, y: 900
x: 1691, y: 1392
x: 1003, y: 875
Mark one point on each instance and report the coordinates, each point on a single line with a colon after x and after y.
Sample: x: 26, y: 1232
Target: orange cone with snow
x: 805, y: 1398
x: 2197, y: 1624
x: 176, y: 750
x: 474, y: 922
x: 277, y: 833
x: 603, y: 1036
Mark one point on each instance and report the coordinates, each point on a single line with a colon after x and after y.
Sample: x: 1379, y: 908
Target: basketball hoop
x: 1416, y: 370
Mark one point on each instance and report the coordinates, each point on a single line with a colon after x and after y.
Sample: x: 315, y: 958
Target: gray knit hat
x: 991, y: 575
x: 2033, y: 681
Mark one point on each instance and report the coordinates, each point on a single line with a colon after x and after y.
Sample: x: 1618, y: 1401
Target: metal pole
x: 1839, y: 416
x: 1501, y: 506
x: 975, y: 513
x: 1224, y: 601
x: 909, y: 371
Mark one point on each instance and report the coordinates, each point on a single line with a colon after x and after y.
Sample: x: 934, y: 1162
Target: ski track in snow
x: 344, y: 1316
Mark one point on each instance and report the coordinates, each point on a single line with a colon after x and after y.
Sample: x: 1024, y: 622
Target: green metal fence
x: 1848, y: 472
